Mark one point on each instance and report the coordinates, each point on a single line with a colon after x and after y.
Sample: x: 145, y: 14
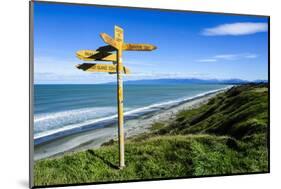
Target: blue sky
x: 189, y: 45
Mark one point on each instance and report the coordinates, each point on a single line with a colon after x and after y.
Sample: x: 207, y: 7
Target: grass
x: 226, y: 136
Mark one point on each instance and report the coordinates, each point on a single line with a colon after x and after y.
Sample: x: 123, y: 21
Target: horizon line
x: 111, y: 82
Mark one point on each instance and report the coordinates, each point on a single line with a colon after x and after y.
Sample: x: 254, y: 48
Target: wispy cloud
x: 134, y: 63
x: 167, y: 74
x: 56, y: 70
x: 229, y: 57
x: 236, y: 29
x: 207, y: 60
x: 66, y: 78
x: 236, y: 56
x: 251, y: 56
x: 140, y: 62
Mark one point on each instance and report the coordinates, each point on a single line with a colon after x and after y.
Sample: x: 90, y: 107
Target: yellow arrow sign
x: 118, y: 42
x: 125, y: 46
x: 90, y: 55
x: 107, y: 39
x: 138, y: 47
x: 109, y: 68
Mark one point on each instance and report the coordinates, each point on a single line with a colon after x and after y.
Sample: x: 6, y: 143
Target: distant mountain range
x: 192, y: 81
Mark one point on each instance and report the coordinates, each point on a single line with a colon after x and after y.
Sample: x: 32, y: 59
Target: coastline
x: 228, y: 134
x: 93, y: 139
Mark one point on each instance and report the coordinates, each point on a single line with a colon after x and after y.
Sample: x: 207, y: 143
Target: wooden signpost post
x: 104, y: 54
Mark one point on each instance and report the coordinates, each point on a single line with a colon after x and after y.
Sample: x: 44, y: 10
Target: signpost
x: 108, y: 68
x: 89, y: 55
x: 138, y: 47
x: 104, y: 54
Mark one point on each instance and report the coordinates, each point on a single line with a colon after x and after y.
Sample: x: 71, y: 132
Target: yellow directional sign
x: 118, y: 42
x: 108, y: 40
x: 90, y: 55
x: 138, y: 47
x: 109, y: 68
x: 103, y: 53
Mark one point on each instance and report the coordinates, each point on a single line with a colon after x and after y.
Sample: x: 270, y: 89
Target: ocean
x: 61, y: 110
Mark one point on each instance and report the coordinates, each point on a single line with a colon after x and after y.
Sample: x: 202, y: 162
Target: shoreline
x: 93, y: 139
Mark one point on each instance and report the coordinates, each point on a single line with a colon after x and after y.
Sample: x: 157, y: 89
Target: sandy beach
x: 95, y: 138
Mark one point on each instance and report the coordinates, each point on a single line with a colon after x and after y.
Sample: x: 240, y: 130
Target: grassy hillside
x: 226, y: 136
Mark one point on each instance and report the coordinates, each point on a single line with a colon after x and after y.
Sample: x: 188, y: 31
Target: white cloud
x: 229, y: 57
x: 207, y: 60
x: 235, y: 56
x: 58, y: 70
x: 162, y: 75
x: 251, y: 56
x: 85, y: 77
x: 63, y: 71
x: 235, y: 29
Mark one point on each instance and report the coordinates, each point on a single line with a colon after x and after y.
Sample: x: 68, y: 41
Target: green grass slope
x: 226, y: 136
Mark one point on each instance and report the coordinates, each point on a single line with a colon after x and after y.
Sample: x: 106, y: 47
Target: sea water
x: 61, y: 110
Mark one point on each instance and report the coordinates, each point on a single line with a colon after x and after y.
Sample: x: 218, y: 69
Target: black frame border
x: 31, y: 83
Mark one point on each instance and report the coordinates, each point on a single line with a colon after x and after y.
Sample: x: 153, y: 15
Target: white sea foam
x: 49, y: 121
